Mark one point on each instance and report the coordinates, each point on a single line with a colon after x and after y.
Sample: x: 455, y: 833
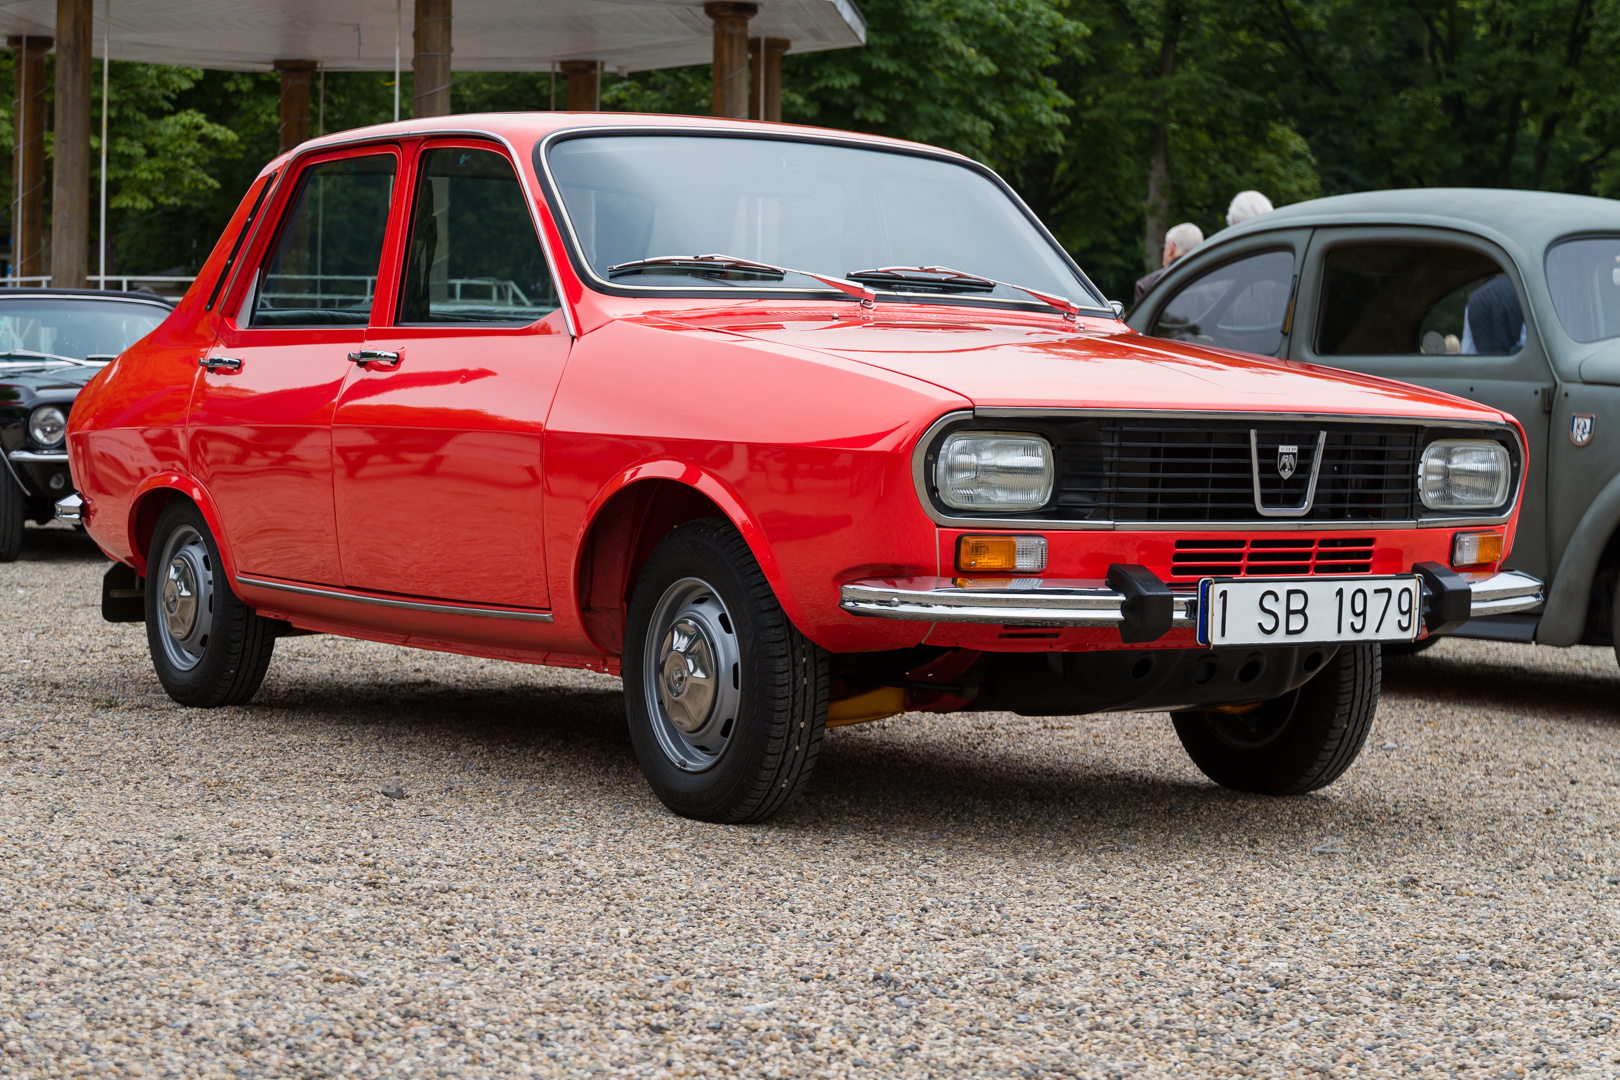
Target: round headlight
x: 1464, y: 475
x: 994, y: 470
x: 47, y: 425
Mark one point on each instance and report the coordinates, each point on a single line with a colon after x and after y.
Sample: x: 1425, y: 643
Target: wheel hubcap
x: 693, y: 681
x: 186, y: 597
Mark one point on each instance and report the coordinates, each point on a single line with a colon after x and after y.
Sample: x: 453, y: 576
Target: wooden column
x: 584, y: 84
x: 295, y: 76
x: 765, y: 78
x: 730, y: 55
x: 70, y: 170
x: 28, y: 162
x: 431, y: 66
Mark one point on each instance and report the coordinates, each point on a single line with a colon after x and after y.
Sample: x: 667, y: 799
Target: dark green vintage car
x: 1508, y: 298
x: 51, y: 342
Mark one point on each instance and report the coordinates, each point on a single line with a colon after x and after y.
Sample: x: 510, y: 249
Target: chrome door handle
x: 216, y: 364
x: 381, y: 357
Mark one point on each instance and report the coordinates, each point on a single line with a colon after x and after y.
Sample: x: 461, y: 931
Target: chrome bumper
x: 70, y: 509
x: 1079, y: 602
x: 52, y: 457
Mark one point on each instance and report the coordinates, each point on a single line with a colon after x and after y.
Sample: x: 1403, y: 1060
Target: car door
x: 1231, y: 296
x: 260, y: 422
x: 1442, y: 309
x: 438, y: 430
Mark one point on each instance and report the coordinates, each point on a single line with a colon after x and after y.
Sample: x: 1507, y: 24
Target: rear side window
x: 1410, y: 299
x: 1240, y: 305
x: 1584, y: 278
x: 322, y: 269
x: 473, y: 255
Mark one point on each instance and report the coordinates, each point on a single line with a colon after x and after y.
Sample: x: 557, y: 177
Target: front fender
x: 1564, y: 622
x: 141, y: 518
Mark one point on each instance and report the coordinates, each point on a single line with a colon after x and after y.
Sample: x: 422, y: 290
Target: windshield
x: 1584, y: 278
x: 827, y: 209
x: 74, y: 328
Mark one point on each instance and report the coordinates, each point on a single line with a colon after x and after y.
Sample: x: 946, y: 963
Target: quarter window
x: 1240, y: 305
x: 473, y: 256
x: 1407, y: 299
x: 322, y: 270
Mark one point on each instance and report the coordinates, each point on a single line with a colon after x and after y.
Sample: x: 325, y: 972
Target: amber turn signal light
x: 989, y: 554
x: 1476, y: 549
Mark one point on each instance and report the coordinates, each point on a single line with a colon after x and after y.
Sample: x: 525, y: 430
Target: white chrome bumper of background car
x: 1078, y: 602
x: 54, y: 457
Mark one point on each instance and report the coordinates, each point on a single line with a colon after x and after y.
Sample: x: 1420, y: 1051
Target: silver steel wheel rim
x: 185, y: 598
x: 692, y: 674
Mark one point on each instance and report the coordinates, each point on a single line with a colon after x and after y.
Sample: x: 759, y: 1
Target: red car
x: 790, y: 428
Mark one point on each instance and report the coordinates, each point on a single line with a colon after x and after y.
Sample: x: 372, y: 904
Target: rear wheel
x: 726, y: 700
x: 209, y: 648
x: 1295, y: 743
x: 13, y: 509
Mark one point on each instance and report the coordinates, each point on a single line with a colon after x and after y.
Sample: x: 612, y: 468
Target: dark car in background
x: 51, y: 342
x: 1507, y: 298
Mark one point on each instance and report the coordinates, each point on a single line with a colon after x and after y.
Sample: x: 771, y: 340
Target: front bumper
x: 1077, y: 602
x: 36, y: 471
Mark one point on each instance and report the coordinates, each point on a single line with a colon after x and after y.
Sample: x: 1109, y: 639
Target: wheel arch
x: 629, y: 519
x: 1593, y: 548
x: 147, y: 505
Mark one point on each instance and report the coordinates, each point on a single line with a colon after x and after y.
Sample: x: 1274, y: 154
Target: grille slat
x: 1290, y: 557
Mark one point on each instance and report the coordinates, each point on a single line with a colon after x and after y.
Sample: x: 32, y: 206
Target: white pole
x: 106, y: 65
x: 320, y: 124
x: 22, y: 143
x: 398, y: 17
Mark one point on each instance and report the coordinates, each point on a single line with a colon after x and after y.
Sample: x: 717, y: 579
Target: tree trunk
x: 1157, y: 203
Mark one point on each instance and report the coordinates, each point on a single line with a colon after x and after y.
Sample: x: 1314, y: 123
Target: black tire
x: 702, y: 596
x: 1614, y: 617
x: 225, y: 650
x: 13, y: 511
x: 1411, y: 648
x: 1296, y: 743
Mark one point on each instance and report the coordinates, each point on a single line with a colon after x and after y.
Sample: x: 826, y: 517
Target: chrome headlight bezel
x: 47, y: 426
x: 994, y: 471
x: 1465, y: 476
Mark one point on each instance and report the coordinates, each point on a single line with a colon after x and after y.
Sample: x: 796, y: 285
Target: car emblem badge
x: 1287, y: 460
x: 1580, y: 429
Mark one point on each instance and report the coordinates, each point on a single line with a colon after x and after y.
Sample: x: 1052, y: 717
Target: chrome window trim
x: 517, y: 614
x: 588, y: 275
x: 919, y: 473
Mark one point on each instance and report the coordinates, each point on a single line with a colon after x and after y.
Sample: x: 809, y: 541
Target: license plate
x: 1306, y: 611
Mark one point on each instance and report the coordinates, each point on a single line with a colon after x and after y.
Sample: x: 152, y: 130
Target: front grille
x: 1129, y: 470
x: 1294, y: 556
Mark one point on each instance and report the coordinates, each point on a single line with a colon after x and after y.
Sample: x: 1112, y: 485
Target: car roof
x: 1526, y: 221
x: 117, y: 295
x: 524, y: 129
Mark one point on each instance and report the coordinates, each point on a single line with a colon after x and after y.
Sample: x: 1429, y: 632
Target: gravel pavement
x: 229, y: 892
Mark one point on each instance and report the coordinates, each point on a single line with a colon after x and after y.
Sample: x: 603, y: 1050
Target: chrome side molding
x: 518, y: 614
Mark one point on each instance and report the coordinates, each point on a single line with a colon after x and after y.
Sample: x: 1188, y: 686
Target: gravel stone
x: 228, y: 892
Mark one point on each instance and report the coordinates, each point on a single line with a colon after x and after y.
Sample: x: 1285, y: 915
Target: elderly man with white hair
x: 1177, y: 242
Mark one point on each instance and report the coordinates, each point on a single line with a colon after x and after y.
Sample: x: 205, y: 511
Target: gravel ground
x: 200, y: 893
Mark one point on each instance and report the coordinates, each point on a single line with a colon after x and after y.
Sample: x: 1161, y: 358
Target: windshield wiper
x: 942, y: 279
x: 8, y: 354
x: 715, y: 264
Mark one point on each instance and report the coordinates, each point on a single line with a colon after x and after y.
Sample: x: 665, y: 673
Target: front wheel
x: 209, y: 648
x: 1295, y: 743
x: 726, y: 700
x: 13, y: 511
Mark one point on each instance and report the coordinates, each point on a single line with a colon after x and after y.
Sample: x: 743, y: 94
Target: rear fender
x: 1564, y: 622
x: 150, y: 498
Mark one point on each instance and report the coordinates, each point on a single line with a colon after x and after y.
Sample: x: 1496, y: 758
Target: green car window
x: 1410, y: 299
x: 1238, y: 305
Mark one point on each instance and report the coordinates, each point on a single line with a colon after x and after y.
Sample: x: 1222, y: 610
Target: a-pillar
x: 765, y: 73
x: 730, y: 55
x: 28, y: 198
x: 431, y: 67
x: 295, y: 76
x: 70, y: 171
x: 584, y: 84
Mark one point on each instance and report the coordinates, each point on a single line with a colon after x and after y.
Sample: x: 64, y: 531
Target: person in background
x: 1246, y: 205
x: 1493, y: 323
x: 1177, y: 242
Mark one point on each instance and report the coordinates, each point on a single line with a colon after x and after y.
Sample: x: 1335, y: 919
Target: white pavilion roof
x: 487, y: 35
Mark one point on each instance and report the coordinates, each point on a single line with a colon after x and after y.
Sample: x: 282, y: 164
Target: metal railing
x: 100, y: 281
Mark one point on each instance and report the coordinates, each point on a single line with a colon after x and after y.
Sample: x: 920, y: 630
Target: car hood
x: 41, y: 379
x: 1100, y: 366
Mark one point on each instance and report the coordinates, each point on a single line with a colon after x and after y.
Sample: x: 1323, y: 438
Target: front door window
x: 1239, y: 305
x: 1410, y: 299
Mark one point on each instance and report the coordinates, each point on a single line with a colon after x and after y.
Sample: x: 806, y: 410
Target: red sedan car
x: 791, y: 428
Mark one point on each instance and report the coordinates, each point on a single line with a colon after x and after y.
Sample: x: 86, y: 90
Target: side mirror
x: 1119, y: 308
